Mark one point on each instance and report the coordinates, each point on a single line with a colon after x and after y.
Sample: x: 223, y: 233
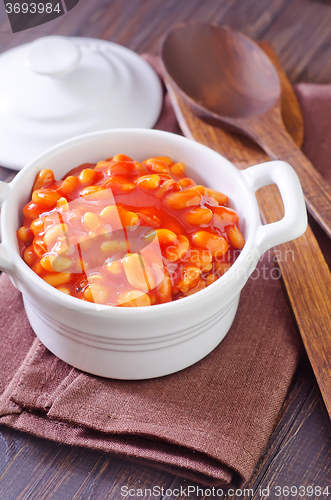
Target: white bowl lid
x: 56, y: 88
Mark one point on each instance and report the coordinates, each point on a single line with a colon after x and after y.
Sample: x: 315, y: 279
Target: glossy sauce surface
x: 125, y: 233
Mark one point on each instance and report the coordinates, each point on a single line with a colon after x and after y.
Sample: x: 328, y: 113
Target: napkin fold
x: 208, y: 423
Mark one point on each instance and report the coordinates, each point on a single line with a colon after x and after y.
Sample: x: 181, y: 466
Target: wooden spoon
x: 226, y: 79
x: 306, y: 276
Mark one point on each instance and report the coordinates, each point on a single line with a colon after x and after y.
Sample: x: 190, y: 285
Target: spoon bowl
x: 227, y: 80
x: 235, y: 78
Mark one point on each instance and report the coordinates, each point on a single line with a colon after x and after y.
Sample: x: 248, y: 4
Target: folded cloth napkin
x: 209, y: 422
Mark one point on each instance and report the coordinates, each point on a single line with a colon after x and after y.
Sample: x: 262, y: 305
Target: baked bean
x: 95, y: 278
x: 25, y: 235
x: 137, y: 273
x: 46, y: 263
x: 29, y: 255
x: 210, y: 278
x: 134, y: 298
x: 165, y: 237
x: 149, y: 182
x: 200, y: 189
x: 115, y: 267
x: 235, y: 237
x: 164, y: 289
x: 88, y: 294
x: 103, y: 165
x: 45, y: 198
x: 219, y: 197
x: 128, y: 218
x: 111, y: 247
x: 197, y: 216
x: 44, y: 178
x: 139, y: 168
x: 37, y: 226
x: 189, y: 279
x: 167, y: 186
x: 92, y: 221
x: 57, y: 279
x: 217, y: 245
x: 69, y: 185
x: 226, y: 215
x: 64, y: 289
x: 199, y: 286
x: 126, y: 168
x: 95, y: 193
x: 61, y: 264
x: 200, y: 257
x: 221, y: 268
x: 165, y: 159
x: 62, y: 204
x: 119, y: 184
x: 186, y: 182
x: 121, y: 158
x: 177, y: 251
x: 39, y: 247
x: 87, y: 176
x: 38, y: 269
x: 145, y: 220
x: 110, y: 214
x: 96, y: 292
x: 32, y: 210
x: 178, y: 169
x: 55, y: 232
x: 183, y: 199
x: 156, y: 166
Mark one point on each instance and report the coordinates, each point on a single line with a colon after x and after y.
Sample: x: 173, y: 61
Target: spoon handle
x: 279, y: 145
x: 306, y: 276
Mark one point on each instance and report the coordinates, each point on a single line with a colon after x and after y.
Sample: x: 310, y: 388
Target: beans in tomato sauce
x: 128, y: 233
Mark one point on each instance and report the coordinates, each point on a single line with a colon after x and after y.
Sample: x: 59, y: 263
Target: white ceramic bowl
x: 147, y: 342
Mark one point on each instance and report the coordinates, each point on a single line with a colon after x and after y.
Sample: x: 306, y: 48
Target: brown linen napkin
x: 208, y: 423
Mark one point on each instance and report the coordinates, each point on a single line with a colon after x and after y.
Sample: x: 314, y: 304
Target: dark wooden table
x: 299, y: 451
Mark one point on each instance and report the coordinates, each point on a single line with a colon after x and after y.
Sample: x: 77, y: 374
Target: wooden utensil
x: 225, y: 78
x: 306, y: 276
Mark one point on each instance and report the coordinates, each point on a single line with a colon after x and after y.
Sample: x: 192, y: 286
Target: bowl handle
x: 294, y: 222
x: 5, y: 263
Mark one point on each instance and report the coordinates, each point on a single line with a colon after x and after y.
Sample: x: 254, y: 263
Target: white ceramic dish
x: 139, y: 343
x: 74, y: 86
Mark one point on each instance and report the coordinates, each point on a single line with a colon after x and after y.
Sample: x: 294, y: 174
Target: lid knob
x: 53, y: 56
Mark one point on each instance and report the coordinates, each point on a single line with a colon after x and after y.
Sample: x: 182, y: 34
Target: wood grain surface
x: 237, y: 89
x: 299, y: 451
